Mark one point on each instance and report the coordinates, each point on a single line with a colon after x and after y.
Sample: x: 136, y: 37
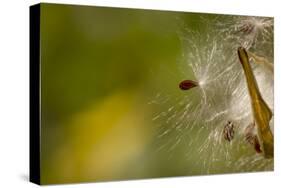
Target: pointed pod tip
x: 242, y: 54
x: 240, y: 48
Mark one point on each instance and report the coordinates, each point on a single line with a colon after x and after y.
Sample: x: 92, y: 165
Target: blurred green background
x: 100, y: 68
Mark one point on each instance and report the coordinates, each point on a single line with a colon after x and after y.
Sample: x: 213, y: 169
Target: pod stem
x: 261, y: 111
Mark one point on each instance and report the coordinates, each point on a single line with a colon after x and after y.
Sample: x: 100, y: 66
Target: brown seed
x: 247, y: 28
x: 228, y: 131
x: 251, y: 138
x: 188, y: 84
x: 257, y: 144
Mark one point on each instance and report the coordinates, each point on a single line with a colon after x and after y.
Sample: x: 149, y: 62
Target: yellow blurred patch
x: 103, y: 139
